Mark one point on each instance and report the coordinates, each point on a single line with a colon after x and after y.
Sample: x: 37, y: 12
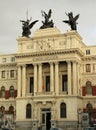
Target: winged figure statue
x: 26, y: 26
x: 47, y: 23
x: 72, y: 20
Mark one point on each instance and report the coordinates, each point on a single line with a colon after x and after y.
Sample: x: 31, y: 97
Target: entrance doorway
x: 45, y: 119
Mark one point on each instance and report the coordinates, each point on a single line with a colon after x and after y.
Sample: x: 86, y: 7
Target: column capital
x: 56, y: 62
x: 19, y: 65
x: 39, y: 64
x: 23, y: 65
x: 34, y: 64
x: 69, y: 62
x: 51, y: 63
x: 74, y: 62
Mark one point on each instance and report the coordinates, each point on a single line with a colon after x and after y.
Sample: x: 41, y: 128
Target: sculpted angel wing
x: 49, y: 13
x: 66, y: 21
x: 76, y: 17
x: 31, y: 25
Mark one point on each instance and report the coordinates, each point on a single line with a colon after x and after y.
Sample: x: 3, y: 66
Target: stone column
x: 56, y: 78
x: 19, y: 81
x: 40, y: 78
x: 51, y: 77
x: 69, y: 78
x: 74, y: 78
x: 35, y: 79
x: 23, y: 80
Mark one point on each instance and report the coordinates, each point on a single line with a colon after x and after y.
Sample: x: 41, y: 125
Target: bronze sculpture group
x: 47, y: 23
x: 27, y: 26
x: 72, y: 20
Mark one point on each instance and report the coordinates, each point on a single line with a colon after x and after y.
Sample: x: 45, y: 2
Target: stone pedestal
x: 35, y: 125
x: 53, y: 123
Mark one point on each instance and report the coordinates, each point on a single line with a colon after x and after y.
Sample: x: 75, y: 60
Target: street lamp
x: 89, y: 110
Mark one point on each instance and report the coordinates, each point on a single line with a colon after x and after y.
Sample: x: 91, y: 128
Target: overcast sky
x: 12, y: 11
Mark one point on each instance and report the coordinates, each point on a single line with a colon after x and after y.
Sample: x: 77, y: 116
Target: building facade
x: 50, y: 81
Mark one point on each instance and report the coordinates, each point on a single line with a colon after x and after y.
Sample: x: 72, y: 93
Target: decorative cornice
x: 53, y: 52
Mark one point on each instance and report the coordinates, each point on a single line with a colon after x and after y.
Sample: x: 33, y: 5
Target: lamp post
x: 89, y: 110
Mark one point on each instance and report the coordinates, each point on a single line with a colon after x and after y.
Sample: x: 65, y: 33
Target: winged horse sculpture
x: 72, y: 20
x: 26, y: 26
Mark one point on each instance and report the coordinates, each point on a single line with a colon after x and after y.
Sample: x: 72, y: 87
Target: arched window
x: 63, y: 110
x: 28, y: 111
x: 11, y: 91
x: 11, y: 110
x: 2, y: 92
x: 88, y: 87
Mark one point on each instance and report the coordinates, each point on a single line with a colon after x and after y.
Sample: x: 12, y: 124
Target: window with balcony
x: 31, y: 84
x: 64, y: 83
x: 47, y: 83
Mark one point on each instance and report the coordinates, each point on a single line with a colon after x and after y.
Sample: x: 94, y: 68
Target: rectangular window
x: 47, y: 83
x: 64, y: 83
x: 12, y: 59
x: 11, y: 73
x: 88, y: 68
x: 3, y: 74
x: 3, y: 60
x: 87, y: 52
x: 31, y: 84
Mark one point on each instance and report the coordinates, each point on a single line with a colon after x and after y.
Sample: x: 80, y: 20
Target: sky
x: 12, y: 11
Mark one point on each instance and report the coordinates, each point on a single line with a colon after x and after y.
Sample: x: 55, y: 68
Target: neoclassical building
x: 49, y: 82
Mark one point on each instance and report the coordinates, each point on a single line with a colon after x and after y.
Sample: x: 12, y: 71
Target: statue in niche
x: 72, y: 20
x: 26, y: 26
x: 47, y: 23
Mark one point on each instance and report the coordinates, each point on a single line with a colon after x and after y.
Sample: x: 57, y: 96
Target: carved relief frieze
x: 45, y: 44
x: 62, y: 42
x: 44, y: 58
x: 30, y: 46
x: 41, y: 44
